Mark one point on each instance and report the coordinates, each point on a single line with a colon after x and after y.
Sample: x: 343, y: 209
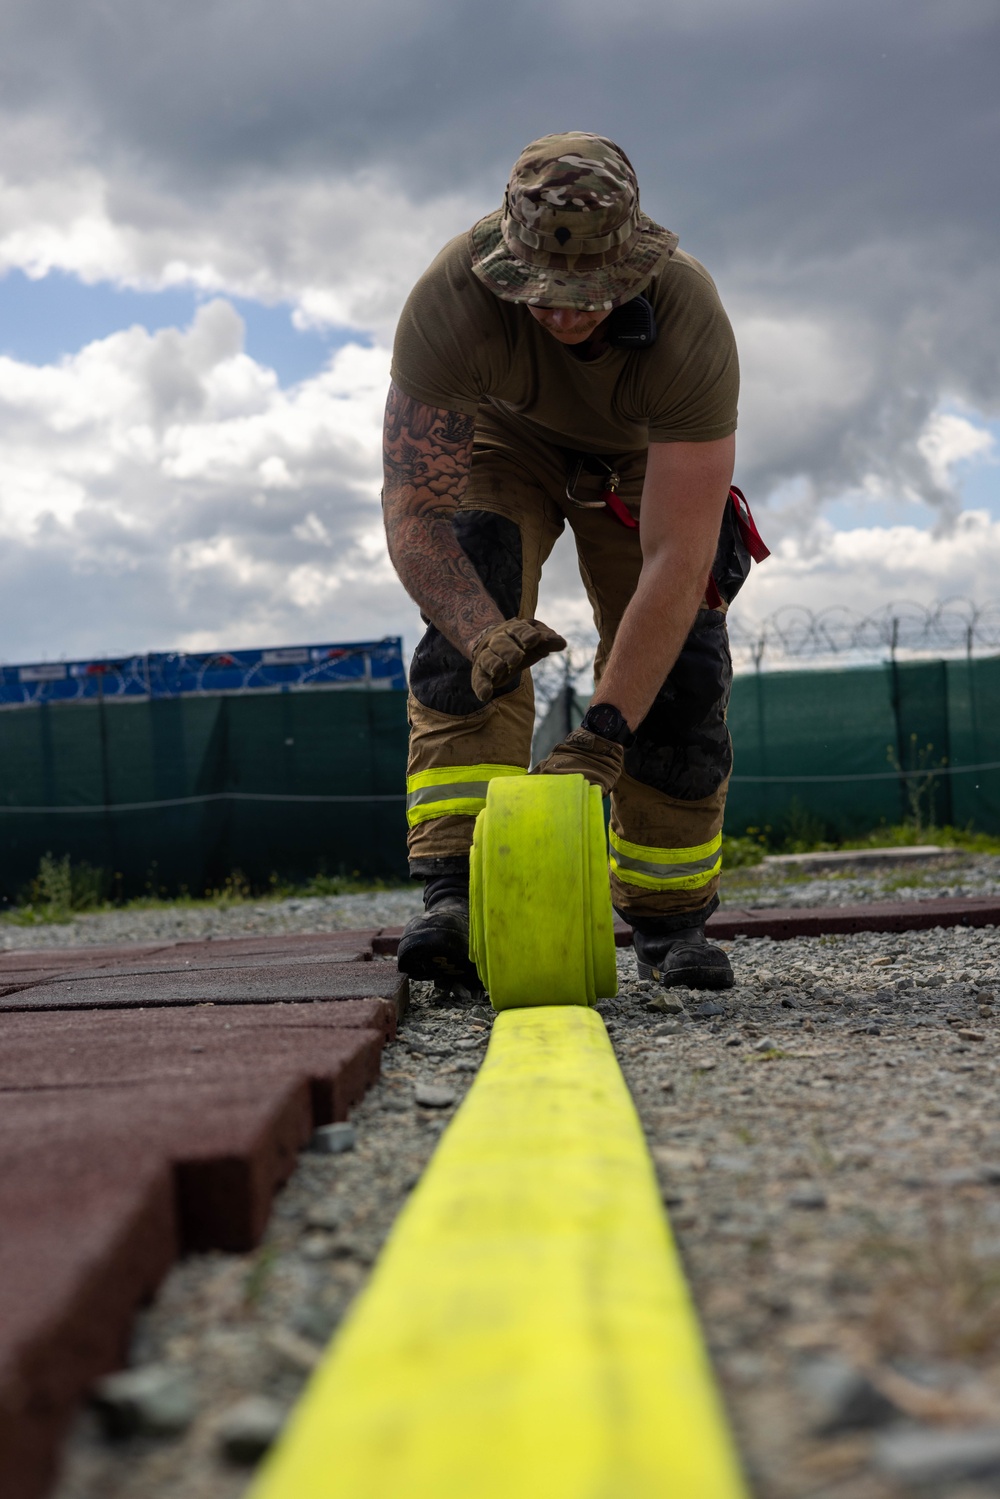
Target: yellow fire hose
x: 527, y: 1332
x: 541, y: 929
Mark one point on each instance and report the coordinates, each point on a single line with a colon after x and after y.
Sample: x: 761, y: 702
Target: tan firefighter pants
x: 666, y: 812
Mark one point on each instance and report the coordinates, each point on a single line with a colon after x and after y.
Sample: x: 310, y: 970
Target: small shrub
x: 803, y: 831
x: 62, y: 888
x: 740, y: 851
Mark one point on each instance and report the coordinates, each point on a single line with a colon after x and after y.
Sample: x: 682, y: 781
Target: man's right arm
x: 426, y: 455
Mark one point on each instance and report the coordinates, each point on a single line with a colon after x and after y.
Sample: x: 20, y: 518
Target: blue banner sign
x: 369, y: 663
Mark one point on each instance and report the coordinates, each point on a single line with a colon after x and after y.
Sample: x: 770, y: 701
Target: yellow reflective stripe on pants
x: 452, y: 790
x: 665, y: 868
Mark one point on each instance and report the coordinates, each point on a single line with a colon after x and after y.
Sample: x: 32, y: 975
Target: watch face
x: 606, y: 720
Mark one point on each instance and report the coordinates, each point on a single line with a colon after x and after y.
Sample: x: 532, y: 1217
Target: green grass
x: 743, y: 851
x: 62, y: 890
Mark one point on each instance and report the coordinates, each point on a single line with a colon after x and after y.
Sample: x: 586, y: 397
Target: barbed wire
x: 902, y: 630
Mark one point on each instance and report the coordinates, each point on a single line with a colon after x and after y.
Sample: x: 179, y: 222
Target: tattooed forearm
x: 426, y: 457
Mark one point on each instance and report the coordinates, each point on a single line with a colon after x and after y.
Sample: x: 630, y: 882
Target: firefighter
x: 564, y: 362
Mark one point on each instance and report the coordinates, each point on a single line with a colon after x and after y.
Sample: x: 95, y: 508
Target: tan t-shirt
x: 458, y: 345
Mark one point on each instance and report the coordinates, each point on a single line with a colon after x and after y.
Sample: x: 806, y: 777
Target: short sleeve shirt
x: 458, y: 345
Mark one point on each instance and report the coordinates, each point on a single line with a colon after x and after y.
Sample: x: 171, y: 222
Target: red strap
x: 618, y: 509
x: 752, y: 539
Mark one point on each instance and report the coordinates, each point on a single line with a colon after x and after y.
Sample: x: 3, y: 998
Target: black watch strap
x: 606, y: 720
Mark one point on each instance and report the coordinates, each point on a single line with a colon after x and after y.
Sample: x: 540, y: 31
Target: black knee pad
x: 440, y: 676
x: 682, y: 747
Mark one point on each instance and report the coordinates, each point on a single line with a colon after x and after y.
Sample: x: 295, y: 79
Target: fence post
x: 897, y: 715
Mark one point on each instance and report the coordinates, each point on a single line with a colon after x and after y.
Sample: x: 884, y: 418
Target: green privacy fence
x: 854, y: 748
x: 181, y: 792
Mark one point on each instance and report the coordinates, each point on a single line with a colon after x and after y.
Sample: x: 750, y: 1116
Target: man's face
x: 567, y: 324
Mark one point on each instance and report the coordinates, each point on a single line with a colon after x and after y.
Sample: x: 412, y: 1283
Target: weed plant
x: 62, y: 889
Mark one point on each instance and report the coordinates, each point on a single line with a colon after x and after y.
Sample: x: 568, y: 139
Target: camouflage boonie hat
x: 570, y: 232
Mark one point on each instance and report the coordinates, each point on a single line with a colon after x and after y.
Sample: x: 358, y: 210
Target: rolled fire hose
x: 541, y: 930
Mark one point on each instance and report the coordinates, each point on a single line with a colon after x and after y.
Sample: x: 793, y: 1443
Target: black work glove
x: 503, y: 650
x: 583, y: 753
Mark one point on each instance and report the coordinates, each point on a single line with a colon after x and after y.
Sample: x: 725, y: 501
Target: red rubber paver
x: 85, y: 1049
x: 881, y: 916
x: 19, y: 970
x: 46, y: 967
x: 82, y: 1245
x: 163, y: 1071
x: 289, y: 982
x: 60, y: 959
x: 289, y: 945
x: 213, y: 962
x: 230, y: 1143
x: 814, y: 921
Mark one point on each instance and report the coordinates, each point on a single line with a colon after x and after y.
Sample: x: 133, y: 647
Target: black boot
x: 682, y: 957
x: 435, y: 946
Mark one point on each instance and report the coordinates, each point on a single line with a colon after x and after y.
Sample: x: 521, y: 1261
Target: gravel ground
x: 755, y: 888
x: 327, y: 913
x: 960, y: 874
x: 827, y: 1137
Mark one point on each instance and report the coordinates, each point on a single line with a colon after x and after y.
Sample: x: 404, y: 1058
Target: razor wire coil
x: 795, y: 635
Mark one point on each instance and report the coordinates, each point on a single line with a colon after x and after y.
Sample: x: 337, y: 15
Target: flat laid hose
x: 541, y: 929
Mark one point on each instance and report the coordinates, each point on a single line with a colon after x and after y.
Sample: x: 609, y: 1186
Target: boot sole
x: 688, y: 978
x: 422, y: 957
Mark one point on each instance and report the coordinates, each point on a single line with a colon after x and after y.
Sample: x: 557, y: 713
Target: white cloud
x: 160, y: 490
x: 801, y: 378
x: 343, y: 249
x: 949, y: 440
x: 864, y: 569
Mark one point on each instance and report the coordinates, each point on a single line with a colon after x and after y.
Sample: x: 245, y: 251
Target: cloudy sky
x: 211, y: 212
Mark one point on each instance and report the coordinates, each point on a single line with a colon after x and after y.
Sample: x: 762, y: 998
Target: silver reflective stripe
x: 666, y: 871
x: 454, y: 791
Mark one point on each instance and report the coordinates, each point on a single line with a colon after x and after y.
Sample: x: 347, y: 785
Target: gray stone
x: 157, y: 1400
x: 329, y: 1215
x: 808, y: 1196
x: 434, y: 1096
x: 923, y: 1456
x: 861, y: 858
x: 317, y: 1246
x: 708, y: 1010
x: 249, y: 1428
x: 333, y: 1139
x: 734, y: 1165
x: 664, y: 1004
x: 842, y: 1398
x: 315, y: 1321
x: 766, y: 1043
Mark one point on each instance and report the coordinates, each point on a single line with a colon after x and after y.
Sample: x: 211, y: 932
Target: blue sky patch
x: 43, y: 320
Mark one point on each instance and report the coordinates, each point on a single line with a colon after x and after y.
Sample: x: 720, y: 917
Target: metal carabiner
x: 611, y: 483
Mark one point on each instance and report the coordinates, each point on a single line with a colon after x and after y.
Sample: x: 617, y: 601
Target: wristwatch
x: 606, y: 720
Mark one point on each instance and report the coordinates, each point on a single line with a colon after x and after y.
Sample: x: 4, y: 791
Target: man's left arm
x: 683, y: 499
